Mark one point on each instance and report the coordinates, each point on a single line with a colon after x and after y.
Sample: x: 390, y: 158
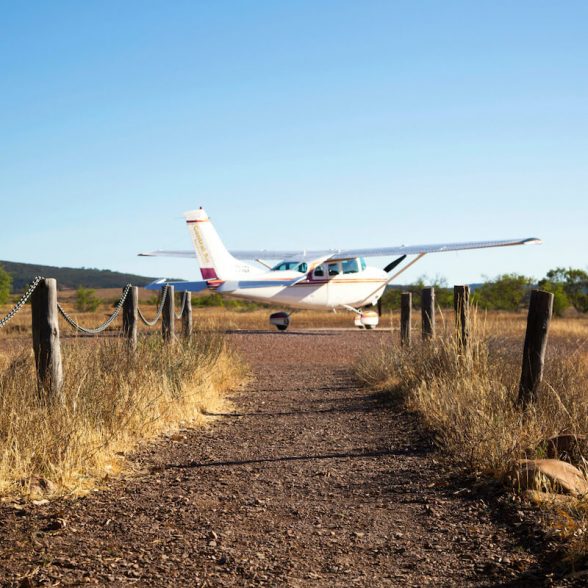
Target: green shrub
x: 216, y: 300
x: 443, y: 294
x: 86, y: 300
x: 560, y: 299
x: 573, y: 282
x: 506, y: 292
x: 5, y: 285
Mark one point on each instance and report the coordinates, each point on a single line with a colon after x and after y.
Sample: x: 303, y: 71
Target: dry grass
x: 469, y: 399
x: 113, y: 400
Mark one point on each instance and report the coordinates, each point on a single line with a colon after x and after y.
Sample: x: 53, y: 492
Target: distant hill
x: 69, y: 277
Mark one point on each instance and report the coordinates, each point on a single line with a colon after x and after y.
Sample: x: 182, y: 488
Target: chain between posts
x: 75, y: 325
x: 23, y: 300
x: 152, y: 323
x: 105, y: 324
x: 184, y: 298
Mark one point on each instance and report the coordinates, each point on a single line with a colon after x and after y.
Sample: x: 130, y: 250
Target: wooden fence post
x: 461, y: 305
x: 428, y: 313
x: 187, y: 315
x: 538, y: 319
x: 46, y: 343
x: 130, y: 316
x: 405, y: 318
x: 168, y: 316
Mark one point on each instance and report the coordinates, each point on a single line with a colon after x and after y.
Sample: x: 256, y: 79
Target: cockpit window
x: 319, y: 272
x: 350, y: 266
x: 302, y: 267
x: 334, y: 269
x: 362, y: 263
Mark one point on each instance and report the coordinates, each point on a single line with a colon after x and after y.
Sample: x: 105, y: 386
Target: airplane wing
x: 301, y: 255
x: 433, y: 248
x: 382, y: 251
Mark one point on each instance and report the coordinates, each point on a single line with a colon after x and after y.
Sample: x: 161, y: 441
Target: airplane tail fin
x: 216, y: 263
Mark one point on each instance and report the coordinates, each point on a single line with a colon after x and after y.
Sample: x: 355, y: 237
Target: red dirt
x: 310, y: 481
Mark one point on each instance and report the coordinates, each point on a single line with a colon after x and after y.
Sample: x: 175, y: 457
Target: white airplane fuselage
x: 343, y: 290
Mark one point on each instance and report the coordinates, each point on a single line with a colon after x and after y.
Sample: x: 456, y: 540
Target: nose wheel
x: 367, y: 319
x: 280, y: 320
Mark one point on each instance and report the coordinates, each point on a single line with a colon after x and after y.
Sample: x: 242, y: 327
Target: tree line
x: 506, y: 292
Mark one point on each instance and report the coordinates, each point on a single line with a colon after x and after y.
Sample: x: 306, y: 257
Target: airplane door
x: 333, y: 269
x: 318, y: 286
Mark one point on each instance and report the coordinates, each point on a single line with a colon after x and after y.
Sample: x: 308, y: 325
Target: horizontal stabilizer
x: 162, y: 253
x: 179, y: 286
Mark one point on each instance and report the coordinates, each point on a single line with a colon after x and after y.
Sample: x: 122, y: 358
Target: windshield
x: 350, y: 266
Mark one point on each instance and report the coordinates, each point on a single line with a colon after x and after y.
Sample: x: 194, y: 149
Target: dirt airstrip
x: 309, y: 480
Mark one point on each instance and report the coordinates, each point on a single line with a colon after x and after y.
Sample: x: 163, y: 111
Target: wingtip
x: 533, y: 241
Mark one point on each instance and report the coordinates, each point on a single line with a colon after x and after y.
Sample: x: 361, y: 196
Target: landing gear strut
x: 280, y: 320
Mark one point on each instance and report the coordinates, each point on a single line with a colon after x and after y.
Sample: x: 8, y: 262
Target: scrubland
x: 468, y: 399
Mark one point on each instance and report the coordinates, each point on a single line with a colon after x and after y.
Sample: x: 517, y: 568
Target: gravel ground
x: 308, y: 481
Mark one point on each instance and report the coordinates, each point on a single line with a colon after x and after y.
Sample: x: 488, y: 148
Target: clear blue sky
x: 295, y: 124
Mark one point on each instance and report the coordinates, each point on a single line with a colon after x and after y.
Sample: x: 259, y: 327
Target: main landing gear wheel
x: 280, y: 320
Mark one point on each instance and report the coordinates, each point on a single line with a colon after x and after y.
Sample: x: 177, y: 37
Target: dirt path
x: 310, y: 482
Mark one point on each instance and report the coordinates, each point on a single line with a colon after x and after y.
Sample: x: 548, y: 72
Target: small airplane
x: 327, y: 279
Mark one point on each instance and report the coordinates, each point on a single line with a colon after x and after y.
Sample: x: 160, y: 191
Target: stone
x: 39, y: 487
x: 41, y: 502
x: 551, y: 475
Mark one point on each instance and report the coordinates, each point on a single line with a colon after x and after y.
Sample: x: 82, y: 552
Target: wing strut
x: 260, y: 261
x: 405, y: 267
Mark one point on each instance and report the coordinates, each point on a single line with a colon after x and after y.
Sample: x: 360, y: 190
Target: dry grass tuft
x: 469, y: 401
x: 113, y: 400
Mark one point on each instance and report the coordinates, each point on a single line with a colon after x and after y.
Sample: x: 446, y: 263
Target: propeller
x: 394, y: 263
